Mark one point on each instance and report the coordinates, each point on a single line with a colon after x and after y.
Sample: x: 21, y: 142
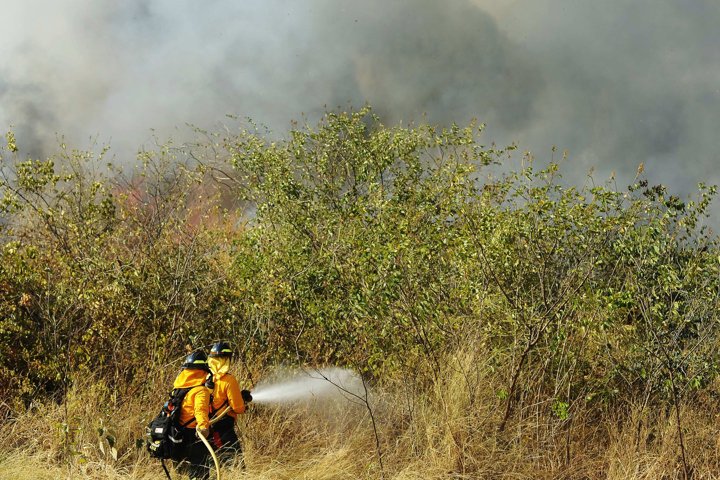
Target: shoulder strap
x: 188, y: 422
x: 177, y: 396
x: 162, y: 460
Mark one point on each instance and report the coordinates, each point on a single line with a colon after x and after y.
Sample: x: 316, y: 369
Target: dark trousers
x: 196, y: 454
x: 225, y: 440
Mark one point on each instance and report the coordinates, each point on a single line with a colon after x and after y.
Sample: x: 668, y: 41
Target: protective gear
x: 194, y: 413
x: 166, y: 431
x: 219, y: 366
x: 210, y: 383
x: 246, y: 396
x: 198, y: 458
x: 204, y: 431
x: 221, y: 349
x: 196, y: 403
x: 196, y: 361
x: 225, y: 440
x: 227, y: 392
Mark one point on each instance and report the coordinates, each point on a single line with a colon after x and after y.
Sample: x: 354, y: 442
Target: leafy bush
x: 394, y: 250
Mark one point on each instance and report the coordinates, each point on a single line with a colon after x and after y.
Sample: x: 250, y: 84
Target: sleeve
x: 234, y: 397
x: 202, y: 408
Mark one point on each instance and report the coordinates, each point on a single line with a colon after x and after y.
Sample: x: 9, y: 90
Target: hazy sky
x: 616, y: 82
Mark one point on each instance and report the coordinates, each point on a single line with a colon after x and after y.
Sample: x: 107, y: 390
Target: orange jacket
x: 227, y: 392
x: 197, y: 401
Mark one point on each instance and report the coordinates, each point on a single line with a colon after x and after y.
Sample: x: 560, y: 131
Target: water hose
x: 207, y: 445
x: 212, y: 452
x: 216, y: 419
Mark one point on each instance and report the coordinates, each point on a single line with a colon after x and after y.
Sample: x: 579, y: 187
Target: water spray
x: 298, y: 385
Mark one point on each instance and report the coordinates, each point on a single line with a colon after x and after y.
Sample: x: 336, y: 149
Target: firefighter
x: 226, y: 392
x: 194, y: 414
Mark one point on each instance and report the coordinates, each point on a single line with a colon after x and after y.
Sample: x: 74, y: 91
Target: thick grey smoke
x: 626, y: 82
x: 617, y: 83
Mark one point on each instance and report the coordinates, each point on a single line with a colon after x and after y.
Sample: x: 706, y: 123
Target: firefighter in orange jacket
x: 194, y: 414
x: 226, y: 393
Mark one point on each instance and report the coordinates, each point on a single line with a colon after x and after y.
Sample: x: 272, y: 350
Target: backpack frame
x: 165, y: 434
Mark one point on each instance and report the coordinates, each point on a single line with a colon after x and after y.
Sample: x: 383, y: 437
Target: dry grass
x: 448, y: 431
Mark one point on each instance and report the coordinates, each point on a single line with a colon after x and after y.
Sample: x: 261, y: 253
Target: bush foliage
x: 396, y: 251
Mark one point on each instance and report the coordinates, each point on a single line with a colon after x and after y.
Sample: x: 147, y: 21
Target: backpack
x: 165, y: 432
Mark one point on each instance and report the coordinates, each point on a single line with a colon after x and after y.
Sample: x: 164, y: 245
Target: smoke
x: 287, y: 386
x: 626, y: 82
x: 83, y: 68
x: 616, y: 83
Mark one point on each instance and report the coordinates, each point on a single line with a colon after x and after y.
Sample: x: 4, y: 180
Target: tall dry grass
x: 445, y: 430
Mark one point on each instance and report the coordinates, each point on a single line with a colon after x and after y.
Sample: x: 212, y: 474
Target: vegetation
x: 507, y: 325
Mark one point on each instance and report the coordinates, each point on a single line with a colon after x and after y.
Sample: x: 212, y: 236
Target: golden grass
x: 446, y: 432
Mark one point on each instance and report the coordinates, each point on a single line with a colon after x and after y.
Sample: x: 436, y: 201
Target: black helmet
x: 196, y: 360
x: 221, y: 349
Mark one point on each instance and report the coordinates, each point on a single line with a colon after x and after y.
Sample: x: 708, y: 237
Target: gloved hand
x: 247, y: 398
x: 205, y: 432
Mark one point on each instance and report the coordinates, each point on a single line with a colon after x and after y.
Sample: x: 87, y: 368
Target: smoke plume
x: 616, y: 83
